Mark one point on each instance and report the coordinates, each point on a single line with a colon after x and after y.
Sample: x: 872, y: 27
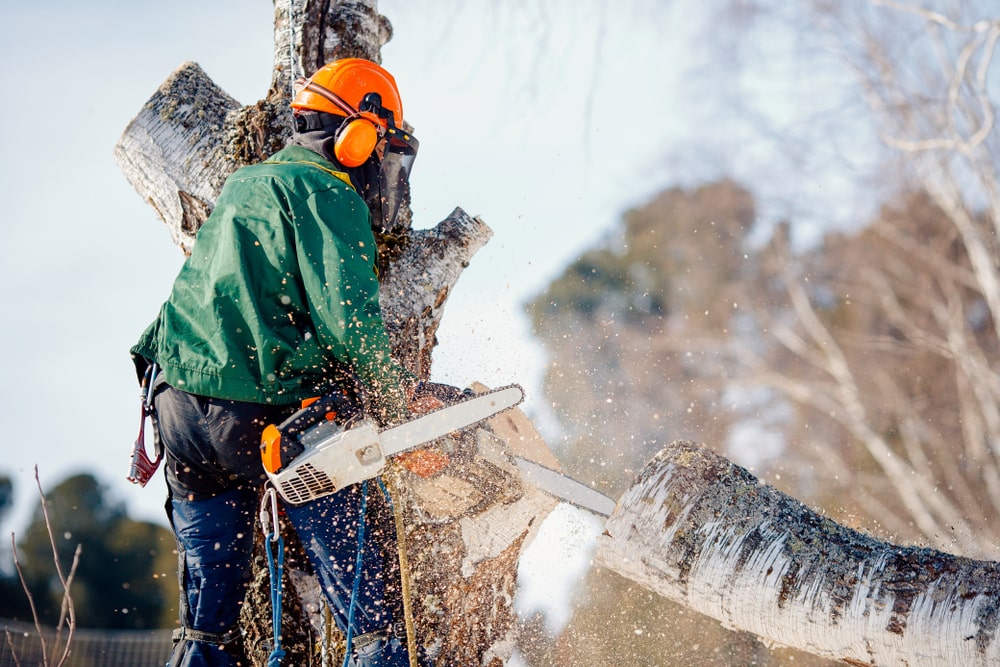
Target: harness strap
x: 218, y: 638
x: 355, y: 588
x: 142, y: 468
x: 275, y: 566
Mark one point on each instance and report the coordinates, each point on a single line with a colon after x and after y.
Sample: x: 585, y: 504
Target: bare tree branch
x: 67, y: 613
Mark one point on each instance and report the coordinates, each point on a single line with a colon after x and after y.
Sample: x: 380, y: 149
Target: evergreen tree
x: 125, y: 577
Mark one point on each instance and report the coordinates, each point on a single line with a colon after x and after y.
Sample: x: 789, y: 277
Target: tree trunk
x: 466, y: 527
x: 706, y: 533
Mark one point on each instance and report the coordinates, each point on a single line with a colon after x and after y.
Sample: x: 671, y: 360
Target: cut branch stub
x: 419, y: 280
x: 706, y: 533
x: 173, y: 152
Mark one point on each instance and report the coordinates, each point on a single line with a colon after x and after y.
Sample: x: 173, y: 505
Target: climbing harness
x: 275, y: 567
x: 142, y: 468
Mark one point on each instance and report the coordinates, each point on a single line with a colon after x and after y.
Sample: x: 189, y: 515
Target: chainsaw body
x: 328, y: 447
x: 332, y: 458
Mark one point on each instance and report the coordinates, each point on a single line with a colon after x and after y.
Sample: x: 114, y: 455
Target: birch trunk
x: 706, y: 533
x: 465, y: 528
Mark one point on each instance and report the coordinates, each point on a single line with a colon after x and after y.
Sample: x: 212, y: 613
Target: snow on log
x: 706, y: 533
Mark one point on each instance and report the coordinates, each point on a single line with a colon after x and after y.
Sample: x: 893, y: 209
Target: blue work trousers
x: 214, y: 475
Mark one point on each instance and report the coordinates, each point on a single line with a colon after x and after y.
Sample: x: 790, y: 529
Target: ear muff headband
x: 327, y: 94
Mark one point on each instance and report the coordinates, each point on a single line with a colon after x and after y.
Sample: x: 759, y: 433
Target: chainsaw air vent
x: 308, y: 483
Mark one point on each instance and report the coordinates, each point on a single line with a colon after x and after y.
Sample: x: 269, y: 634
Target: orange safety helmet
x: 365, y: 95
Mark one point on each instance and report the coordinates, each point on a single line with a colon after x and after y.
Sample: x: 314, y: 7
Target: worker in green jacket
x: 279, y: 302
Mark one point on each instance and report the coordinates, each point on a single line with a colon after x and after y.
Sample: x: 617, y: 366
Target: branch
x: 67, y: 608
x: 31, y: 601
x: 706, y: 533
x: 10, y: 645
x: 417, y: 284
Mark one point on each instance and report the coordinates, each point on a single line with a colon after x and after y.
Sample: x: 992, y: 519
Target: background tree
x: 889, y: 338
x: 653, y: 315
x: 856, y: 374
x: 126, y: 578
x: 14, y: 603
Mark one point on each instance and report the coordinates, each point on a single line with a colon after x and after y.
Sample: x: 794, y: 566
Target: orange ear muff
x: 355, y: 142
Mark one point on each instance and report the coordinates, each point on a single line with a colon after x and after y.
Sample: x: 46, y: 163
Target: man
x: 278, y: 302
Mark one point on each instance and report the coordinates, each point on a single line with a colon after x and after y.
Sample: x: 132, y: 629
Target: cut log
x: 706, y: 533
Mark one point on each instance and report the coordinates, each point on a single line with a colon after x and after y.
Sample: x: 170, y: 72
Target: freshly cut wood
x: 706, y: 533
x: 465, y: 531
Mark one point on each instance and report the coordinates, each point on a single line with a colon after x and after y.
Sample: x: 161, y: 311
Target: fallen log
x: 706, y: 533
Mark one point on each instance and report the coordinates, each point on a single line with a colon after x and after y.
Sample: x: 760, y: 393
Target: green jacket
x: 280, y: 291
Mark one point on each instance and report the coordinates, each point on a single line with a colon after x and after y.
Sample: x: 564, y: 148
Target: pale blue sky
x: 518, y: 122
x: 545, y: 119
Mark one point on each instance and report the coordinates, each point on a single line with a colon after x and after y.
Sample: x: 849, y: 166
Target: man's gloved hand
x: 423, y: 462
x: 420, y: 405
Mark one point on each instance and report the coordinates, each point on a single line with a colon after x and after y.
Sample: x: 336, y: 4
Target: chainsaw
x: 326, y: 447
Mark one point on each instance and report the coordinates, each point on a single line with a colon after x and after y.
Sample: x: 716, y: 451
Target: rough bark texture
x: 466, y: 527
x: 465, y: 532
x: 708, y: 534
x: 174, y: 151
x: 417, y: 283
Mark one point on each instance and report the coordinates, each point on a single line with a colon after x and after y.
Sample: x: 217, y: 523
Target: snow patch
x: 554, y: 565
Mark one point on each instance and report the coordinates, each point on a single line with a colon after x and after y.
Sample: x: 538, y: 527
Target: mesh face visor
x: 394, y: 175
x: 402, y: 147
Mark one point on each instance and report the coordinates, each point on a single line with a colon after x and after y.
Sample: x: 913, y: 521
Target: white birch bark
x: 706, y: 533
x: 174, y: 152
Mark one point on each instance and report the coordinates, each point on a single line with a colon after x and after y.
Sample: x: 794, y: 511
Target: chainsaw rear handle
x: 280, y: 444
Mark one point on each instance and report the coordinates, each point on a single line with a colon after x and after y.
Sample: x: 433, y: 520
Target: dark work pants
x: 328, y: 529
x: 214, y: 475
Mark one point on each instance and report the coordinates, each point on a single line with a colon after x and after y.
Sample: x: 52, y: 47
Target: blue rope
x: 275, y: 570
x: 385, y: 492
x: 357, y: 574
